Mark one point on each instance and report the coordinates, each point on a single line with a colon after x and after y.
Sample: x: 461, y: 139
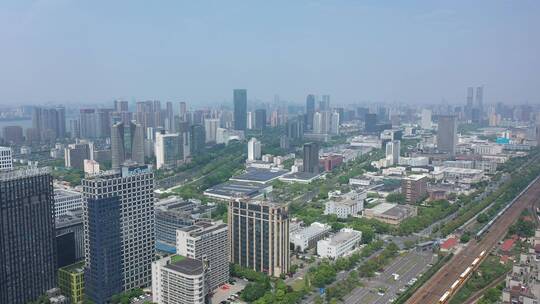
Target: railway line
x: 441, y: 283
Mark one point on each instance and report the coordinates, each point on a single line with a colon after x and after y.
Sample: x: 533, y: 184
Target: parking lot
x: 225, y: 292
x: 384, y: 287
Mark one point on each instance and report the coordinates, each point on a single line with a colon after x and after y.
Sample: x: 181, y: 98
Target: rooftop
x: 342, y: 236
x: 74, y: 268
x: 259, y: 175
x: 185, y: 265
x: 235, y: 189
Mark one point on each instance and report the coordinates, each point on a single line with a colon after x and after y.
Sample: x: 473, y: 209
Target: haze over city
x: 73, y: 52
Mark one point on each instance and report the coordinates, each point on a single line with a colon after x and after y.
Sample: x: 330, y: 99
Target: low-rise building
x: 340, y: 244
x: 180, y: 280
x: 419, y: 161
x: 522, y: 285
x: 66, y: 200
x: 71, y: 282
x: 308, y: 237
x: 460, y: 175
x: 345, y: 205
x: 390, y: 213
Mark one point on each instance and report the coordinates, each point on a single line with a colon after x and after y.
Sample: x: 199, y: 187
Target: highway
x: 432, y: 290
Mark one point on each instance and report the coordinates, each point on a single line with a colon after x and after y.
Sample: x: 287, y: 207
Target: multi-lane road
x: 433, y: 289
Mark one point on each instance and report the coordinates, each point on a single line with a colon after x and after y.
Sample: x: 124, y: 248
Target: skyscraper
x: 197, y: 139
x: 210, y: 129
x: 295, y: 128
x: 27, y: 238
x: 392, y: 152
x: 206, y: 241
x: 324, y: 105
x: 167, y: 150
x: 370, y: 122
x: 127, y: 142
x: 259, y: 236
x: 169, y: 115
x: 425, y: 120
x: 119, y: 231
x: 480, y: 100
x: 13, y: 135
x: 311, y: 158
x: 310, y: 110
x: 260, y: 119
x: 447, y: 134
x: 240, y: 109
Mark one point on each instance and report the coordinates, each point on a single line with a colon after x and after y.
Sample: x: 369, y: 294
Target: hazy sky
x: 199, y: 51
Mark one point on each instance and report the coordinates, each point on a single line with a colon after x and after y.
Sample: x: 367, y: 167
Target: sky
x: 73, y: 52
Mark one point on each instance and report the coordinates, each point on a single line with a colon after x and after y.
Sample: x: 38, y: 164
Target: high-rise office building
x: 324, y: 105
x: 183, y: 111
x: 311, y: 158
x: 6, y: 159
x: 167, y: 150
x: 169, y: 117
x: 127, y: 142
x: 198, y: 139
x: 414, y: 187
x: 27, y: 240
x: 425, y: 119
x: 260, y: 119
x: 104, y: 122
x: 447, y: 134
x: 310, y: 111
x: 210, y: 128
x: 392, y: 152
x: 205, y: 241
x: 179, y: 280
x: 119, y: 231
x: 240, y: 109
x: 13, y: 135
x: 370, y: 121
x: 335, y: 118
x: 51, y: 122
x: 259, y: 236
x: 254, y: 149
x: 479, y: 100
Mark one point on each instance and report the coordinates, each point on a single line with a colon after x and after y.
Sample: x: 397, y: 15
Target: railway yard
x: 447, y: 281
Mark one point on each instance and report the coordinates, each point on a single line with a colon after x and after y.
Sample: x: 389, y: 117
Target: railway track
x: 433, y: 290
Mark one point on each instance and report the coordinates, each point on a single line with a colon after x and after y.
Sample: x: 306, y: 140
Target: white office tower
x: 6, y: 160
x: 178, y: 280
x: 250, y: 120
x: 167, y: 150
x: 425, y: 122
x: 317, y: 123
x: 208, y: 242
x: 254, y: 149
x: 392, y: 152
x: 334, y: 123
x: 119, y: 230
x: 210, y: 128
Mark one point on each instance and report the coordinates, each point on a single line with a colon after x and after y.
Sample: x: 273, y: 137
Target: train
x: 462, y: 278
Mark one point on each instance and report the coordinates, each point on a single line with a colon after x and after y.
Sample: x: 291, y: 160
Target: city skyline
x: 73, y: 53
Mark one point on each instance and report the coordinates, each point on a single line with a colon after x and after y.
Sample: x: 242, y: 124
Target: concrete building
x: 119, y: 230
x: 414, y: 187
x: 254, y: 149
x: 127, y: 143
x: 425, y: 122
x: 259, y: 236
x: 487, y: 149
x: 6, y: 159
x: 173, y: 213
x: 207, y: 241
x: 167, y: 150
x: 392, y: 152
x: 75, y: 154
x: 179, y: 280
x: 340, y: 244
x: 305, y: 238
x: 460, y: 175
x: 349, y: 204
x: 389, y: 213
x: 66, y: 200
x: 447, y: 134
x: 210, y: 129
x: 420, y: 161
x: 27, y: 240
x: 91, y: 166
x: 13, y: 135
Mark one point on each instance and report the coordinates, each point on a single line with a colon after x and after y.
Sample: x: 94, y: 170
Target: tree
x: 396, y: 198
x: 465, y: 238
x: 482, y: 218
